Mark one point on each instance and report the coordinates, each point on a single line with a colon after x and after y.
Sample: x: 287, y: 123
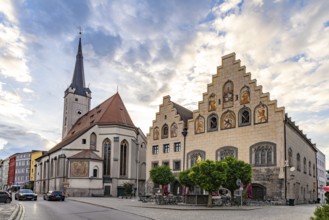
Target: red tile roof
x: 111, y: 112
x: 86, y: 154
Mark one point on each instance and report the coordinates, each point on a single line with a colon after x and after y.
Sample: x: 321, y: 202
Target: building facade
x: 22, y: 168
x: 235, y: 118
x: 100, y: 152
x: 321, y: 168
x: 11, y: 170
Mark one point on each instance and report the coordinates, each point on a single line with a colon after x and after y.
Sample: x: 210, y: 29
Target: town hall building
x: 101, y: 148
x: 236, y: 118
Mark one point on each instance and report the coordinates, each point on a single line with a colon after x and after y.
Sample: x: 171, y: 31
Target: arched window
x: 313, y: 170
x: 95, y: 171
x: 305, y: 171
x: 93, y: 140
x: 290, y: 158
x: 263, y: 154
x: 309, y: 168
x: 52, y: 168
x: 107, y: 157
x: 123, y: 158
x: 244, y: 116
x: 298, y: 162
x: 213, y: 122
x: 223, y: 152
x: 164, y: 132
x: 227, y: 120
x: 193, y: 156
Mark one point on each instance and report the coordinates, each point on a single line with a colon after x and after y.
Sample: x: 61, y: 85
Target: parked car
x: 54, y: 195
x: 5, y: 197
x: 26, y: 194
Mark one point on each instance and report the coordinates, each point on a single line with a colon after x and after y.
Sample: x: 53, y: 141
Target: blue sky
x: 149, y: 49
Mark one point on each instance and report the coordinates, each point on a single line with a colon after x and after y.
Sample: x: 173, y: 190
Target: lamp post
x: 137, y: 162
x: 184, y: 133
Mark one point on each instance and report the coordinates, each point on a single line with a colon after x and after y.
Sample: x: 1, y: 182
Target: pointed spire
x: 78, y: 80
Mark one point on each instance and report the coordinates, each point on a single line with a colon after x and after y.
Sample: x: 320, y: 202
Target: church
x: 236, y: 118
x: 101, y: 149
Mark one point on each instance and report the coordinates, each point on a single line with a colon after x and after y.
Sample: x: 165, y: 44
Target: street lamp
x: 184, y: 133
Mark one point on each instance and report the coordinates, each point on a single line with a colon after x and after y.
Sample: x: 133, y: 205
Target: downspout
x: 48, y: 174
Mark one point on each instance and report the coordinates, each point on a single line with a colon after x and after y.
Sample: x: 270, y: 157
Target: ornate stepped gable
x: 231, y: 99
x: 181, y: 113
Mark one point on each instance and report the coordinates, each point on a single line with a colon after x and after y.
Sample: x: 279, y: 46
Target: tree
x: 161, y: 175
x: 321, y: 213
x: 237, y: 169
x: 185, y: 180
x: 209, y: 175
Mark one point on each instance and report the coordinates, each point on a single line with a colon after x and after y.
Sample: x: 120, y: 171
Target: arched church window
x: 93, y: 140
x: 164, y: 133
x: 305, y: 171
x: 228, y: 89
x: 223, y: 152
x: 213, y: 122
x: 123, y: 158
x: 227, y: 120
x: 290, y: 158
x: 244, y: 116
x: 263, y: 154
x: 107, y: 157
x: 298, y: 162
x: 309, y: 168
x: 95, y: 171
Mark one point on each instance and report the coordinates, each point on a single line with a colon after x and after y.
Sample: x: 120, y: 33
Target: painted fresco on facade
x: 199, y: 125
x: 156, y: 133
x: 260, y: 113
x: 244, y: 95
x: 228, y: 120
x: 79, y: 169
x: 228, y: 94
x: 173, y: 130
x: 212, y: 103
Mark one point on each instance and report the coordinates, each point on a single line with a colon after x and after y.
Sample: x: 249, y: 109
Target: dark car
x: 26, y: 194
x: 5, y: 197
x: 54, y: 195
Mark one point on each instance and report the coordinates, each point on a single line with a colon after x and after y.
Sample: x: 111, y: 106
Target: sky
x: 147, y: 49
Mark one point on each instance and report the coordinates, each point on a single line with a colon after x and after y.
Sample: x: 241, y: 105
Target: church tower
x: 76, y: 97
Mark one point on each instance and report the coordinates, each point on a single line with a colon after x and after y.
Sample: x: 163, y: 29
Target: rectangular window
x: 166, y: 148
x: 155, y: 149
x: 176, y: 166
x: 155, y: 164
x: 84, y: 141
x: 165, y: 163
x: 177, y: 147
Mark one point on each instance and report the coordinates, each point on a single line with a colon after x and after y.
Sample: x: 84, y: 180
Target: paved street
x: 75, y: 208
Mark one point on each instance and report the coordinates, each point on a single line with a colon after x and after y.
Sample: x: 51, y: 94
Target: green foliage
x: 327, y: 197
x: 321, y: 213
x: 128, y: 188
x: 209, y: 175
x: 184, y: 179
x: 162, y: 175
x: 237, y: 169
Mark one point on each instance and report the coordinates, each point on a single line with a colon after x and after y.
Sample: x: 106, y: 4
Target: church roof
x: 111, y: 112
x: 78, y: 80
x: 86, y: 154
x: 184, y: 113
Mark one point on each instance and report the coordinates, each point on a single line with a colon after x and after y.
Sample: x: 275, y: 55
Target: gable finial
x: 80, y: 31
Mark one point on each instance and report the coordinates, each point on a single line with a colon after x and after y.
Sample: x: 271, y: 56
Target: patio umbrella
x: 326, y: 188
